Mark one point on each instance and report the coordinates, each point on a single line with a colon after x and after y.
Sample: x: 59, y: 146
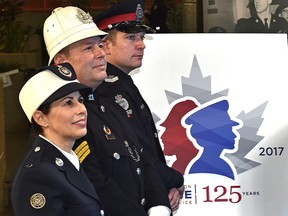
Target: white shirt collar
x: 72, y: 157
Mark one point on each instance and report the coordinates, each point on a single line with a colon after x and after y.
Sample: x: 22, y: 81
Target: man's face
x: 284, y: 13
x: 262, y: 5
x: 88, y: 60
x: 127, y: 51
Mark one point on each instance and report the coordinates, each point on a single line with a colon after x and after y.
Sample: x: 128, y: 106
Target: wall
x: 218, y: 13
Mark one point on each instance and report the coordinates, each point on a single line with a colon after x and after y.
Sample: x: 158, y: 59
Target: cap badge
x: 139, y: 13
x: 37, y: 201
x: 83, y: 16
x: 64, y: 71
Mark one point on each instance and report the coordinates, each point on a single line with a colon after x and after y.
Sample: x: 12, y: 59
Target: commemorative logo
x: 220, y: 121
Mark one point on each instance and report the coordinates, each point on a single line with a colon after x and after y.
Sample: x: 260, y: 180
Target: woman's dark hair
x: 45, y: 109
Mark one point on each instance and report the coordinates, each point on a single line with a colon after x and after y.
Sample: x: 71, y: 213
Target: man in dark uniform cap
x: 124, y: 48
x: 114, y: 162
x: 126, y: 16
x: 261, y: 20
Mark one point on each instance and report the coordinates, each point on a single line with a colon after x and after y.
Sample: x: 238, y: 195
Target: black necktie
x: 266, y: 23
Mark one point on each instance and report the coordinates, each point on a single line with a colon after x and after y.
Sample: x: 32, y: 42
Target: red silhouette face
x: 174, y: 137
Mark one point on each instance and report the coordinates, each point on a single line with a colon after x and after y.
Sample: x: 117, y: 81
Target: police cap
x: 126, y: 16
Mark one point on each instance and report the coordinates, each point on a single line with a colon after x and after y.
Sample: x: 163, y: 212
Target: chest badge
x: 124, y: 104
x: 108, y: 133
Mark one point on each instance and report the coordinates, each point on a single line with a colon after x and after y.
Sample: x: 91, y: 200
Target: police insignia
x: 122, y: 102
x: 139, y: 14
x: 37, y: 201
x: 64, y: 71
x: 83, y: 16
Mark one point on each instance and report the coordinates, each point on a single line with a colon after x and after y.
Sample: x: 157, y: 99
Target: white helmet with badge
x: 65, y: 26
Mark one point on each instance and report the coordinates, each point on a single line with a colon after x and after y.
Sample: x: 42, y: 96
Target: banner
x: 219, y: 103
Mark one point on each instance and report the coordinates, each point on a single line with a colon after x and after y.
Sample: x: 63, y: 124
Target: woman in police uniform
x: 50, y: 181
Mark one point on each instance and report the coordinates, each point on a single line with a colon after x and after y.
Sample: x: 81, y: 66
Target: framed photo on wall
x: 245, y: 16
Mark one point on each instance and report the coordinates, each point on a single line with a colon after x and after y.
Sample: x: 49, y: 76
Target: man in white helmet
x: 125, y: 181
x: 71, y: 33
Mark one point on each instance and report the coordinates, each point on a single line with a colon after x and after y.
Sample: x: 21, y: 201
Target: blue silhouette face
x: 212, y: 125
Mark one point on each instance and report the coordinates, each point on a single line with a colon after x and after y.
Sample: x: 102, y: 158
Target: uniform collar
x: 75, y: 177
x: 112, y: 70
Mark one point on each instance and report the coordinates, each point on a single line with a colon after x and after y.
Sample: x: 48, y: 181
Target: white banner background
x: 253, y: 68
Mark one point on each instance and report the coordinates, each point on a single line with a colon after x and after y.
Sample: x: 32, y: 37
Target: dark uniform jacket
x: 47, y: 183
x: 126, y: 99
x: 125, y: 181
x: 255, y: 25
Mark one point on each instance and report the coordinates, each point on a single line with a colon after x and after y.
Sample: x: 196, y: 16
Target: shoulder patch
x: 82, y: 151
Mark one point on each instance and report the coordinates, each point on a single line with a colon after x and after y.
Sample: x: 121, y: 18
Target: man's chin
x: 138, y: 64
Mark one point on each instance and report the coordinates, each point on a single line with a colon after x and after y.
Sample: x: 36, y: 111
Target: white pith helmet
x: 65, y: 26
